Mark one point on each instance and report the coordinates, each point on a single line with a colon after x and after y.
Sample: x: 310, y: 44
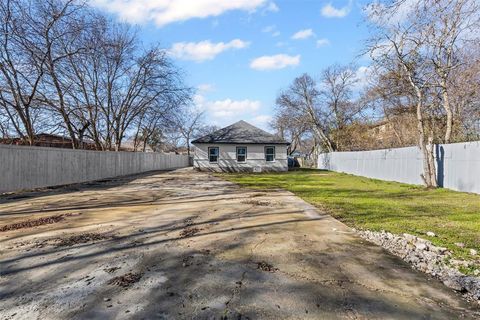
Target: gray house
x: 240, y: 147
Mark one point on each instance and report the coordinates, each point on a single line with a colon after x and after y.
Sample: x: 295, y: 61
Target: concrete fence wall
x: 458, y: 165
x: 24, y: 167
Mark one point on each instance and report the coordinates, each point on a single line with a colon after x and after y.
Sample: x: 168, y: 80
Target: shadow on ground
x: 199, y: 247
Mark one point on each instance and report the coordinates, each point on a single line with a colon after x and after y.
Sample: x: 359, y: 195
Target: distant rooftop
x: 241, y: 132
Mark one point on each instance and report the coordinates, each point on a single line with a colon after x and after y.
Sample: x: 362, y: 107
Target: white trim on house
x: 270, y: 153
x: 227, y: 158
x: 210, y: 155
x: 244, y: 155
x: 241, y: 136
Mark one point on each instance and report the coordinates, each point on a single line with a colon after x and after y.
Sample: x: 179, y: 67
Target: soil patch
x: 188, y: 232
x: 187, y: 261
x: 126, y: 280
x: 81, y: 238
x: 255, y: 195
x: 189, y: 221
x: 111, y: 270
x: 256, y: 202
x: 264, y: 266
x: 30, y: 223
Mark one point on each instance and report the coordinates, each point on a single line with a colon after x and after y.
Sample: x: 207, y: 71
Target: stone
x: 440, y: 250
x: 422, y: 266
x: 428, y: 258
x: 409, y: 237
x: 431, y: 234
x: 421, y: 246
x: 460, y: 244
x: 453, y: 284
x: 409, y: 247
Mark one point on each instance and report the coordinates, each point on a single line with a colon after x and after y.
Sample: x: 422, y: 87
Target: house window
x: 213, y: 154
x: 241, y: 154
x: 269, y: 154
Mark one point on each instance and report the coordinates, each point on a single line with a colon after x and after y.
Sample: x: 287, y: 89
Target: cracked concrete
x: 321, y: 269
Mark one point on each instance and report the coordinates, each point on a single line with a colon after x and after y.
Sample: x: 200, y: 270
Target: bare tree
x: 325, y: 108
x: 465, y: 95
x: 63, y: 47
x: 421, y: 41
x: 397, y: 49
x: 290, y: 128
x: 302, y: 101
x: 448, y: 26
x: 337, y: 85
x: 23, y: 58
x: 393, y: 98
x: 64, y: 67
x: 189, y: 125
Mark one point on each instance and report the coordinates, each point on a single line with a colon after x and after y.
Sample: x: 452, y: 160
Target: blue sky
x: 240, y: 53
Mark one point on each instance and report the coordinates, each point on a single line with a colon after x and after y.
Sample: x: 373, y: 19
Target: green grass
x: 380, y: 205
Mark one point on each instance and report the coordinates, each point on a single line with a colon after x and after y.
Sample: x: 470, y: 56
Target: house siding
x: 227, y: 160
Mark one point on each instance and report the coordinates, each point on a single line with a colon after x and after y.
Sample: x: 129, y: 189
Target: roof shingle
x: 241, y: 132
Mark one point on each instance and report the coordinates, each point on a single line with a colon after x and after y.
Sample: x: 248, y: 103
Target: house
x: 240, y: 147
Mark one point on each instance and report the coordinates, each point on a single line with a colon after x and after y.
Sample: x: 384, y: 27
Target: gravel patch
x: 428, y: 258
x: 255, y: 202
x: 81, y: 238
x: 189, y: 231
x: 30, y: 223
x: 265, y: 266
x: 126, y: 280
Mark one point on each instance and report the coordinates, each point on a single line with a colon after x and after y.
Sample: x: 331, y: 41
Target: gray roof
x: 241, y: 132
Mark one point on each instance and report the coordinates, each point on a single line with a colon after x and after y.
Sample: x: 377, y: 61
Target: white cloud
x: 199, y: 102
x: 278, y: 61
x: 261, y: 121
x: 323, y: 42
x: 363, y: 76
x: 269, y: 29
x: 394, y: 14
x: 224, y: 112
x: 204, y: 50
x: 163, y: 12
x: 272, y: 29
x: 205, y: 87
x: 303, y: 34
x: 272, y: 7
x: 329, y: 11
x: 228, y: 108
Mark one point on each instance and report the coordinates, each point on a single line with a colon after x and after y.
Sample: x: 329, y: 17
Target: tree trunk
x: 324, y: 139
x: 449, y: 112
x: 429, y: 172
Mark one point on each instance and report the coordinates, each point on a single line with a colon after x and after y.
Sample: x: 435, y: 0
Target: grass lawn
x: 380, y: 205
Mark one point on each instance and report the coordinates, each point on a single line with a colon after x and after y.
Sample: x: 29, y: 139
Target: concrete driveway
x: 183, y: 245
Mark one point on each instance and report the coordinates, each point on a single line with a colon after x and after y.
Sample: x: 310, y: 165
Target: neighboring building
x: 49, y: 140
x: 240, y: 147
x: 129, y: 145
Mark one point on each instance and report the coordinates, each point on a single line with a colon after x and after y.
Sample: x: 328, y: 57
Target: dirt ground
x: 187, y: 245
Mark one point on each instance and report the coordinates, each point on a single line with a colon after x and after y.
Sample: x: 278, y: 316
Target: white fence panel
x: 25, y: 167
x: 458, y: 165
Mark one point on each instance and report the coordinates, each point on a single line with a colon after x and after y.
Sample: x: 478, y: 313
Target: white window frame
x: 265, y: 152
x: 218, y: 154
x: 236, y: 153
